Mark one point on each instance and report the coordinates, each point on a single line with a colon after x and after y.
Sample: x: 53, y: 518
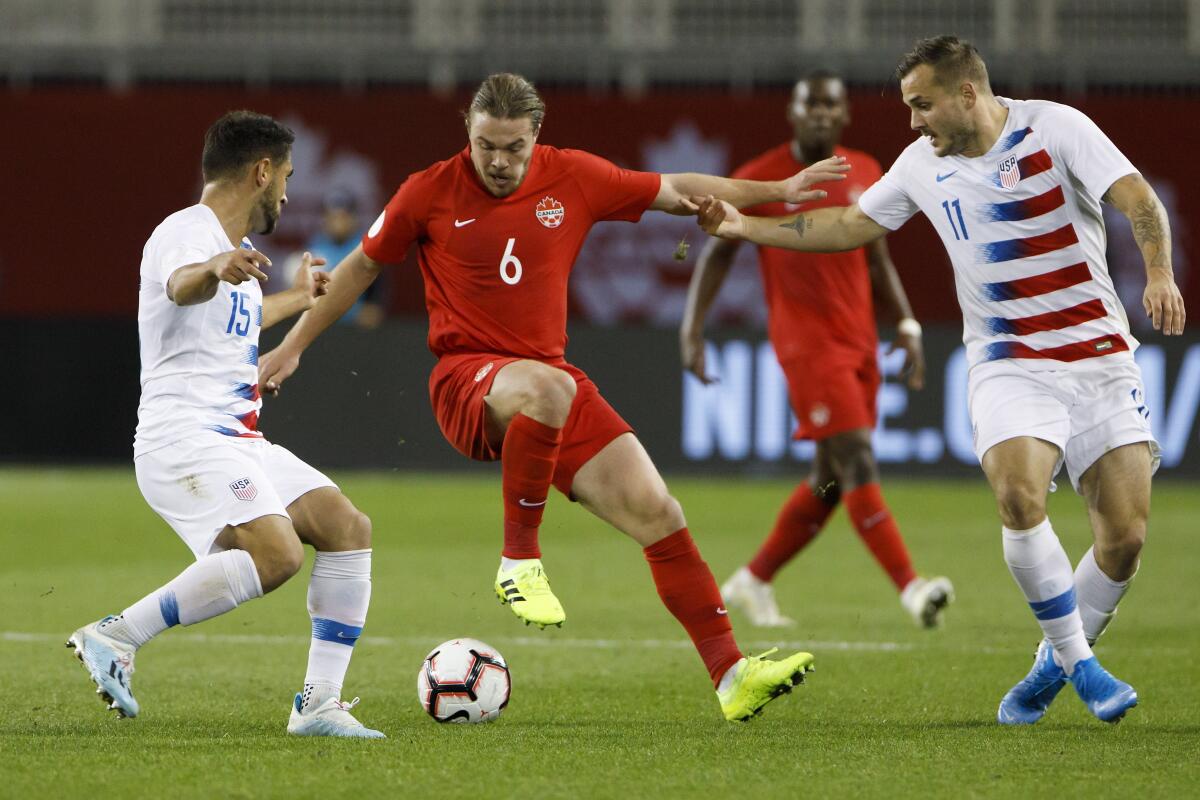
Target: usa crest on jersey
x: 244, y: 489
x: 1010, y: 173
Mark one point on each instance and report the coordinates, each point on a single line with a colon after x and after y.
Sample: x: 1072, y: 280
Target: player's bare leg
x: 1019, y: 471
x: 258, y: 556
x: 339, y: 593
x: 621, y: 486
x: 853, y: 462
x: 1117, y: 492
x: 802, y: 516
x: 527, y: 406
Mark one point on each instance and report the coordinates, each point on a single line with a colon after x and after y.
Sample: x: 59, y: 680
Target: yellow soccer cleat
x: 759, y: 681
x: 526, y: 591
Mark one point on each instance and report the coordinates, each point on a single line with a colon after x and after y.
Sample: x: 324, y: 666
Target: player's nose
x: 915, y: 122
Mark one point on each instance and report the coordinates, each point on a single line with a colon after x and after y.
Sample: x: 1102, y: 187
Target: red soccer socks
x: 873, y: 521
x: 527, y: 461
x: 690, y: 593
x: 798, y: 523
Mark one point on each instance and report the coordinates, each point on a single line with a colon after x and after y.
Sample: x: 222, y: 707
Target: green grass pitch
x: 616, y: 704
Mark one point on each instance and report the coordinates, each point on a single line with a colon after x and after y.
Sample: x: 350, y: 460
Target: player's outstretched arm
x: 677, y: 192
x: 349, y: 280
x: 1135, y: 198
x: 197, y: 283
x: 308, y: 285
x: 885, y: 282
x: 711, y: 269
x: 825, y: 230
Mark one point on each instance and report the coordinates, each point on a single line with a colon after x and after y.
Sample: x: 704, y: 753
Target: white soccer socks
x: 1097, y: 595
x: 1041, y: 568
x: 338, y: 595
x: 213, y: 585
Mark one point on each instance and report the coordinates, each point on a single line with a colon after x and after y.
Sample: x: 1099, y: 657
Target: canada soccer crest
x: 1010, y: 173
x: 550, y: 212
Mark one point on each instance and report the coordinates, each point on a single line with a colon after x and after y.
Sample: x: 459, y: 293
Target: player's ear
x: 969, y: 97
x: 262, y: 172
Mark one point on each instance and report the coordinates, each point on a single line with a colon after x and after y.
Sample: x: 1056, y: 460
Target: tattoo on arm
x: 801, y: 224
x: 1149, y: 231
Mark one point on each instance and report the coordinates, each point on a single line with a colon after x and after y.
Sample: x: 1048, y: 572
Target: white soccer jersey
x: 1024, y: 230
x: 199, y: 362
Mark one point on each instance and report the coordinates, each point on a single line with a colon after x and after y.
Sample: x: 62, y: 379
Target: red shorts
x: 459, y: 383
x: 833, y: 394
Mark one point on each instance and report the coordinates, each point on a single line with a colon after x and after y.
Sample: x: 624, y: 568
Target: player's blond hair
x: 506, y: 95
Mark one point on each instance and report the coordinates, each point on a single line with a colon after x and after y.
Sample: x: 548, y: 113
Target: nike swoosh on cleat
x: 941, y: 178
x: 528, y: 504
x: 458, y: 223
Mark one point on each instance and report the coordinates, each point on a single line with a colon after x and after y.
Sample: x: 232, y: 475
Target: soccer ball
x: 464, y: 680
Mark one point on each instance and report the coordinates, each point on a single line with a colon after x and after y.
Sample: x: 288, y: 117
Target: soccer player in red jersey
x: 822, y: 324
x: 498, y: 227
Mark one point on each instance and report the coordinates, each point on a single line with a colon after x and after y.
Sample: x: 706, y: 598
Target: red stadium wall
x: 88, y: 173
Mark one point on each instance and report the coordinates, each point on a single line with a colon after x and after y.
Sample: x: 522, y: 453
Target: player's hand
x: 719, y: 218
x: 913, y: 371
x: 796, y: 188
x: 691, y: 353
x: 311, y: 283
x: 1164, y: 303
x: 274, y: 368
x: 240, y: 265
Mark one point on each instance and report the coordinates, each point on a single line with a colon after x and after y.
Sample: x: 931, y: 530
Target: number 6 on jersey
x: 510, y: 265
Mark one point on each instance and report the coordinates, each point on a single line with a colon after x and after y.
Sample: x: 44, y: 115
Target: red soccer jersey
x: 496, y: 269
x: 815, y: 301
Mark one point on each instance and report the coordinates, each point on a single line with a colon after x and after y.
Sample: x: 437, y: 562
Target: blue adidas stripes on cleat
x: 1027, y: 702
x: 1105, y: 696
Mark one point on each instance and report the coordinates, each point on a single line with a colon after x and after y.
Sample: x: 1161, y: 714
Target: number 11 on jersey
x: 961, y: 228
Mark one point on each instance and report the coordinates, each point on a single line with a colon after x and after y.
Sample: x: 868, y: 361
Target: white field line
x: 549, y: 640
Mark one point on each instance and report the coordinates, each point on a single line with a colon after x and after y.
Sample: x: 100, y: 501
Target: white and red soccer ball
x: 464, y: 680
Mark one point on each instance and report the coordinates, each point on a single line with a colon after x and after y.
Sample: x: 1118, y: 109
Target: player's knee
x: 1022, y: 505
x: 1118, y: 556
x: 856, y: 468
x: 358, y: 532
x: 548, y: 393
x: 659, y: 511
x: 278, y: 560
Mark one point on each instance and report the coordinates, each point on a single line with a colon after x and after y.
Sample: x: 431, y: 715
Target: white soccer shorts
x: 207, y: 481
x: 1083, y: 412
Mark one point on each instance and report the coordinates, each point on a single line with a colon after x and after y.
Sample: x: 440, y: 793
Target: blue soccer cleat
x: 1105, y: 696
x: 109, y: 662
x: 1027, y: 702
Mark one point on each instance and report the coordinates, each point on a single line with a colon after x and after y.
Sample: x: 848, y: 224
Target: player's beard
x: 956, y: 141
x: 268, y: 214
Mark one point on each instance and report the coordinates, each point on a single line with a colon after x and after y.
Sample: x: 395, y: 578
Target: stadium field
x: 614, y: 705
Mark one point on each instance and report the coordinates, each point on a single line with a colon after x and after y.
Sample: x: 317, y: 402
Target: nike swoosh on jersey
x: 458, y: 223
x: 722, y: 611
x: 528, y: 504
x: 941, y: 178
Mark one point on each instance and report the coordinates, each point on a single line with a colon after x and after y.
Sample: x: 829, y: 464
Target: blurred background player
x: 242, y: 505
x: 821, y: 321
x: 1014, y: 188
x: 498, y: 227
x: 341, y: 231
